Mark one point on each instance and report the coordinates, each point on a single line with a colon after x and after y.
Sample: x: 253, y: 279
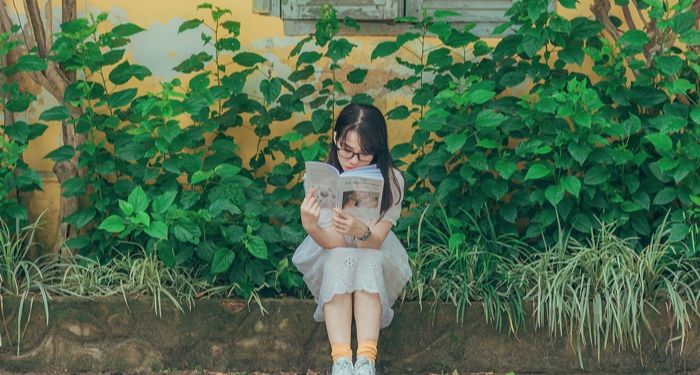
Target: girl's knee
x: 365, y: 294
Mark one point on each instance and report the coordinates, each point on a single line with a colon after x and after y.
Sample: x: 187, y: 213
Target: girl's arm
x: 327, y: 238
x: 379, y: 232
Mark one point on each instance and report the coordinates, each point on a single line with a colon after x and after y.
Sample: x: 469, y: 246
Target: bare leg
x: 368, y: 313
x: 338, y: 315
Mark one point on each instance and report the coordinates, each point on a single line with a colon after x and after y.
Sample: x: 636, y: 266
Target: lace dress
x: 347, y: 269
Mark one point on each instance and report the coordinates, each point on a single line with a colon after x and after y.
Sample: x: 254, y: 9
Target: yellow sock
x: 368, y: 349
x: 341, y: 350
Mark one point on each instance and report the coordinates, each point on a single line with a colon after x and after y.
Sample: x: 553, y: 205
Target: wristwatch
x: 366, y: 235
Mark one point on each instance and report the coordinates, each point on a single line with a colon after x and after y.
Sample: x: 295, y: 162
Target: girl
x: 351, y: 266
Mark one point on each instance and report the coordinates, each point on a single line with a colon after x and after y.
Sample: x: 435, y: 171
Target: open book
x: 357, y: 191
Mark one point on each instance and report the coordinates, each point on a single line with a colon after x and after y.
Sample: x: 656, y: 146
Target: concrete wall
x: 228, y: 335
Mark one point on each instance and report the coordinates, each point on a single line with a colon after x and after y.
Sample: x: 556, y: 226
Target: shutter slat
x: 361, y: 10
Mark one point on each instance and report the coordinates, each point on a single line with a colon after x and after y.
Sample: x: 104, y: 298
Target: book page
x: 324, y: 177
x: 361, y: 197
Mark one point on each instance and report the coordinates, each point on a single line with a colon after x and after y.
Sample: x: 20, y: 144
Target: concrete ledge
x: 106, y: 335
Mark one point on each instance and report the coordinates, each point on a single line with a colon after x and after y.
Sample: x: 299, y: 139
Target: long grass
x: 449, y: 266
x: 24, y: 277
x: 600, y: 292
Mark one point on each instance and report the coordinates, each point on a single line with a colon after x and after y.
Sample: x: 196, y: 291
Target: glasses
x: 347, y: 154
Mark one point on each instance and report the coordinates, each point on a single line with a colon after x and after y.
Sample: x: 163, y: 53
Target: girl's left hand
x: 345, y: 223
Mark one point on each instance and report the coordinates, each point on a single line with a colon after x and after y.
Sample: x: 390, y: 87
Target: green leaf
x: 683, y: 22
x: 126, y: 207
x: 189, y: 25
x: 60, y: 154
x: 582, y: 223
x: 222, y: 260
x: 271, y: 89
x: 308, y: 57
x: 121, y: 98
x: 58, y: 113
x: 482, y: 96
x: 73, y: 187
x: 200, y: 176
x: 554, y: 194
x: 162, y: 202
x: 537, y: 171
x: 505, y: 168
x: 300, y: 75
x: 629, y: 207
x: 357, y: 76
x: 669, y: 65
x: 141, y: 218
x: 440, y: 14
x: 489, y: 119
x: 30, y: 63
x: 131, y: 151
x: 384, y: 49
x: 679, y: 232
x: 112, y: 224
x: 633, y: 41
x: 664, y: 196
x: 82, y: 217
x: 138, y: 199
x: 166, y: 254
x: 570, y: 4
x: 186, y: 230
x: 193, y: 63
x: 248, y: 59
x: 661, y: 142
x: 579, y: 152
x: 455, y: 141
x: 571, y: 184
x: 227, y: 170
x: 339, y: 49
x: 123, y: 72
x: 157, y: 229
x: 126, y: 30
x: 256, y: 246
x: 596, y: 175
x: 399, y: 113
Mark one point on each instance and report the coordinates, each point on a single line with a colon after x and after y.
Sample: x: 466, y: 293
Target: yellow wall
x: 160, y: 48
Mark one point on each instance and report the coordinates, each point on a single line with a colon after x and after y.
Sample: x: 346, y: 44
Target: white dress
x: 347, y: 269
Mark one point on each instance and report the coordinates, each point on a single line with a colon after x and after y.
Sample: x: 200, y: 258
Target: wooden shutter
x: 487, y: 14
x: 267, y: 7
x: 361, y: 10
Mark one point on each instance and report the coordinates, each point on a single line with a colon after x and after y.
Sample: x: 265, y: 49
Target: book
x: 357, y: 191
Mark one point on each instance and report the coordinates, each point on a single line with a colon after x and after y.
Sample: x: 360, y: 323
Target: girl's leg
x: 368, y: 313
x: 338, y: 316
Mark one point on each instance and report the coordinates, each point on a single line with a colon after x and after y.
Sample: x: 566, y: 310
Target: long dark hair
x: 368, y: 121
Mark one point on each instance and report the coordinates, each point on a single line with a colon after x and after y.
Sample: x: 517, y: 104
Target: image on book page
x: 362, y: 197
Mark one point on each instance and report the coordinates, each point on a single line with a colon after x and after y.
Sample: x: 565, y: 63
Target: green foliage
x: 16, y: 177
x: 572, y: 147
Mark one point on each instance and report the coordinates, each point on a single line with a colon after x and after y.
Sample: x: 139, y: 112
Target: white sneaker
x: 363, y: 366
x: 343, y: 366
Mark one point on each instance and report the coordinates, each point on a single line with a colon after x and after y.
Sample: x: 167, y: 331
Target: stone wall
x: 107, y: 335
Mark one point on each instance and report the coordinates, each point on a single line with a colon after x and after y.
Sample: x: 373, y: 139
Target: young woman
x: 354, y: 268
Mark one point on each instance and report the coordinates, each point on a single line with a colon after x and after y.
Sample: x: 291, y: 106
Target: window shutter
x: 487, y: 14
x: 361, y: 10
x: 267, y: 7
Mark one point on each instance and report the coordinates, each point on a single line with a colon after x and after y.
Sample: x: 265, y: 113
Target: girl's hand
x: 310, y: 210
x: 345, y: 223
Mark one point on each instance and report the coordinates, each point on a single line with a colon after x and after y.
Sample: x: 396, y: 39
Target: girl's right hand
x: 310, y: 210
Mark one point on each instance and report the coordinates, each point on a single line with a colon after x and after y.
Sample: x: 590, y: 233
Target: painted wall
x: 160, y: 48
